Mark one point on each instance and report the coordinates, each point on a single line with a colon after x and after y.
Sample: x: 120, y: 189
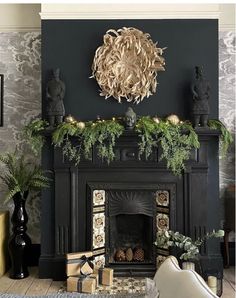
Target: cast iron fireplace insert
x: 132, y: 214
x: 131, y: 225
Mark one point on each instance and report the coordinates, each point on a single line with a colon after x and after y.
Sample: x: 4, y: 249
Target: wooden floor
x: 32, y: 285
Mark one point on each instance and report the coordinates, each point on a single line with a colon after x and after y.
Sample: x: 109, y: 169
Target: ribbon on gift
x: 81, y: 261
x: 100, y: 274
x: 84, y: 260
x: 81, y: 280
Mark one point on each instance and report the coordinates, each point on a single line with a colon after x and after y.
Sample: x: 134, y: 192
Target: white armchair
x: 172, y: 282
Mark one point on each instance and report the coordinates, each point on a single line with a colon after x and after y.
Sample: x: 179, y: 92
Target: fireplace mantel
x: 66, y: 208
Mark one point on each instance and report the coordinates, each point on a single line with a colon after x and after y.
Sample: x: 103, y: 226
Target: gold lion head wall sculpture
x: 126, y: 65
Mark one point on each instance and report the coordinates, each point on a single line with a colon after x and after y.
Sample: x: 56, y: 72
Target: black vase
x: 19, y: 242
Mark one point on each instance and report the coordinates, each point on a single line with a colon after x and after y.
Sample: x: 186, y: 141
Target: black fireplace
x: 121, y: 206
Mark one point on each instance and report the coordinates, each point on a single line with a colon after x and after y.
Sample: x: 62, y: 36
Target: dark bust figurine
x: 55, y: 93
x: 130, y: 118
x: 200, y: 90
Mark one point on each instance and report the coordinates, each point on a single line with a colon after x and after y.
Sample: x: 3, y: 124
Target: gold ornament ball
x: 81, y: 125
x: 174, y: 119
x: 69, y: 119
x: 156, y: 119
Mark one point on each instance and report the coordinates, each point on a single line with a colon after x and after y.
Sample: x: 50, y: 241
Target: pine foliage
x: 226, y: 138
x: 176, y: 141
x: 32, y: 134
x: 99, y: 134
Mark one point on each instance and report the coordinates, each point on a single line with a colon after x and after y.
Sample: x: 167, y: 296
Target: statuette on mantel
x: 201, y: 94
x: 55, y: 92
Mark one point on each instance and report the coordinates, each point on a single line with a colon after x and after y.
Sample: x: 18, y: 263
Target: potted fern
x: 21, y: 178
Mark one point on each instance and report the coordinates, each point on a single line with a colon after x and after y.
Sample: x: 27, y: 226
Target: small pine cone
x: 129, y: 254
x: 138, y: 255
x: 120, y: 255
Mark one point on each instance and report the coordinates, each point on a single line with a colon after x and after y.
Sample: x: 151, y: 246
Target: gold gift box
x: 73, y: 263
x: 105, y: 276
x: 4, y: 236
x: 81, y: 284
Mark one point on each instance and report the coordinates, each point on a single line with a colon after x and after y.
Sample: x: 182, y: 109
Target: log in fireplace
x: 117, y: 209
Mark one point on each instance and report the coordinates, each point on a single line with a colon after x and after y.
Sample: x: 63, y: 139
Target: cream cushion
x: 172, y: 282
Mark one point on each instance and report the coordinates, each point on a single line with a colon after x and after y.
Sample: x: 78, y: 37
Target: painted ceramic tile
x: 98, y: 197
x: 98, y: 222
x: 162, y: 198
x: 99, y: 260
x: 99, y: 239
x: 162, y: 222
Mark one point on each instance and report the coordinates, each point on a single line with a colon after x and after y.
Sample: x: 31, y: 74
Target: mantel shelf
x: 201, y: 131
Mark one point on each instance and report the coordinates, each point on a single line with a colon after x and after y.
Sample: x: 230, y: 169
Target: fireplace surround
x: 127, y: 215
x: 103, y: 207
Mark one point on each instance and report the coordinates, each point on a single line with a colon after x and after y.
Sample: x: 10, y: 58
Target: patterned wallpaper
x: 227, y: 51
x: 20, y: 63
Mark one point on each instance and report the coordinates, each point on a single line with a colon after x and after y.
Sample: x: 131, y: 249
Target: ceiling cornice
x: 129, y: 11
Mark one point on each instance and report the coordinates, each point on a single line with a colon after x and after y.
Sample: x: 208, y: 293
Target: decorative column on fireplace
x: 121, y: 206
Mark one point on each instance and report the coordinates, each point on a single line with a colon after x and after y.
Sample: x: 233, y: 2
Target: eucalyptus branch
x: 190, y: 248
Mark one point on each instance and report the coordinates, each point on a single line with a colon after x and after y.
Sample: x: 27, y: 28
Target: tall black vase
x: 19, y: 242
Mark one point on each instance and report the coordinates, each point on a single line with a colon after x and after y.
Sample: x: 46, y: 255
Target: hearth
x: 121, y: 206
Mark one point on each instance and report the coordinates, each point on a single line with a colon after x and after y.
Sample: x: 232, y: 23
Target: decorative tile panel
x: 98, y: 230
x: 162, y: 198
x: 98, y: 197
x: 99, y: 260
x: 162, y: 222
x: 98, y: 224
x: 98, y: 240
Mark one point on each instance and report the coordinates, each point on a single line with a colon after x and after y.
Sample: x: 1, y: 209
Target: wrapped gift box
x: 105, y: 276
x: 81, y: 284
x: 95, y: 276
x: 75, y: 264
x: 4, y: 236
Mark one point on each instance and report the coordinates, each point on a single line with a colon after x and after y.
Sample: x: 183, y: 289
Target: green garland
x: 226, y: 137
x: 102, y: 133
x: 175, y: 140
x: 32, y: 133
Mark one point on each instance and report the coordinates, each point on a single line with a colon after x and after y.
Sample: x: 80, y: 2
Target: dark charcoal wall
x: 71, y: 45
